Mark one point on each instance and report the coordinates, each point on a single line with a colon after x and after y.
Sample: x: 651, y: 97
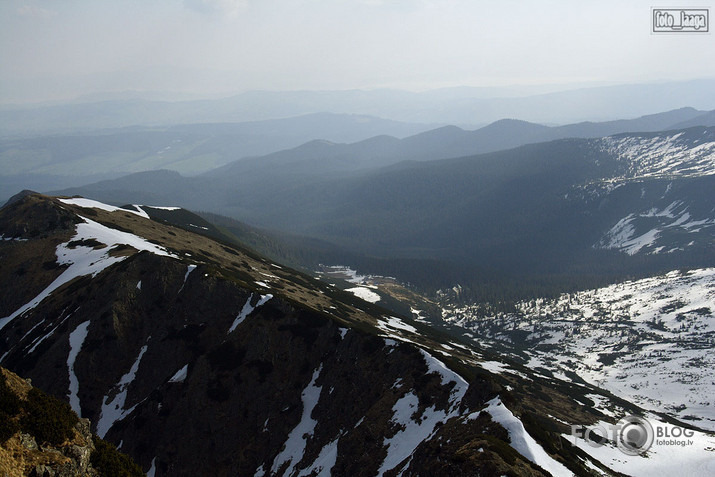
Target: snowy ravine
x: 294, y: 446
x: 113, y: 411
x: 77, y: 338
x: 522, y: 442
x: 648, y: 341
x: 248, y: 309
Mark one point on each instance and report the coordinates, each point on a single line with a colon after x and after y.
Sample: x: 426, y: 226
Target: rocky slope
x: 42, y: 437
x: 198, y: 357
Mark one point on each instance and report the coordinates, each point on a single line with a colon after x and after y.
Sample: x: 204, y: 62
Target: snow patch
x: 152, y: 469
x: 391, y: 324
x: 180, y: 375
x: 162, y: 208
x: 324, y: 463
x: 114, y: 411
x: 93, y: 204
x: 522, y: 442
x: 294, y: 447
x: 364, y: 294
x: 77, y: 337
x: 416, y: 429
x: 247, y: 310
x: 493, y: 366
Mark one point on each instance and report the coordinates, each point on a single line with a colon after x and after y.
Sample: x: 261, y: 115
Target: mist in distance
x: 199, y: 49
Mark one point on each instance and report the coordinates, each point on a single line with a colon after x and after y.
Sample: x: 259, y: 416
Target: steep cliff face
x: 200, y: 358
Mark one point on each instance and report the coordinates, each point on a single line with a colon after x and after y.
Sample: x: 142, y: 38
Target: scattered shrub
x: 9, y: 402
x: 8, y: 427
x: 47, y: 418
x: 109, y: 462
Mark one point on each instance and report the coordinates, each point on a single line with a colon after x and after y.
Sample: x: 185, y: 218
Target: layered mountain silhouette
x: 544, y: 209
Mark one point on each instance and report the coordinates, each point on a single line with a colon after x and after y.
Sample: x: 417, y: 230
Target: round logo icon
x: 635, y: 435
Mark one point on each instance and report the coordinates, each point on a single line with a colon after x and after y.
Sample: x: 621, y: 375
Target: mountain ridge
x: 324, y: 386
x: 140, y: 343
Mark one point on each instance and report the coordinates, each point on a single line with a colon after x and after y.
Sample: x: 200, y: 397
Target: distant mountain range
x: 568, y: 210
x: 60, y: 161
x: 469, y: 107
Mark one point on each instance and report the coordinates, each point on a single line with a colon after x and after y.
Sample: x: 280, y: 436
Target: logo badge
x: 635, y: 435
x: 680, y: 20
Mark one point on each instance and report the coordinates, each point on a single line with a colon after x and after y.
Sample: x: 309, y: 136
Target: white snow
x: 180, y: 375
x: 634, y: 245
x: 347, y: 273
x: 413, y: 430
x: 648, y: 341
x: 93, y: 204
x: 16, y: 239
x: 447, y: 376
x: 692, y: 456
x: 364, y: 294
x: 152, y: 469
x: 21, y: 339
x: 662, y: 156
x: 247, y: 310
x: 77, y: 337
x: 392, y: 323
x: 189, y: 269
x: 324, y: 463
x: 493, y: 366
x: 522, y: 442
x: 84, y: 260
x: 162, y: 208
x: 114, y: 411
x: 294, y: 446
x: 621, y: 236
x: 404, y: 442
x: 37, y: 341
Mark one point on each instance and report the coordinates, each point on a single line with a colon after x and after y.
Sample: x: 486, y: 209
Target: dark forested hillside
x: 548, y: 216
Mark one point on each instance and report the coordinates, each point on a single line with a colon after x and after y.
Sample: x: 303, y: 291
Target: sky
x: 63, y: 49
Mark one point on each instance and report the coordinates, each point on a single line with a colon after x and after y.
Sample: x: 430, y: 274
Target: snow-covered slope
x: 655, y: 230
x: 689, y: 153
x: 649, y: 341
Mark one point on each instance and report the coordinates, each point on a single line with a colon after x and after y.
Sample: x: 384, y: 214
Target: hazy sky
x: 57, y: 49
